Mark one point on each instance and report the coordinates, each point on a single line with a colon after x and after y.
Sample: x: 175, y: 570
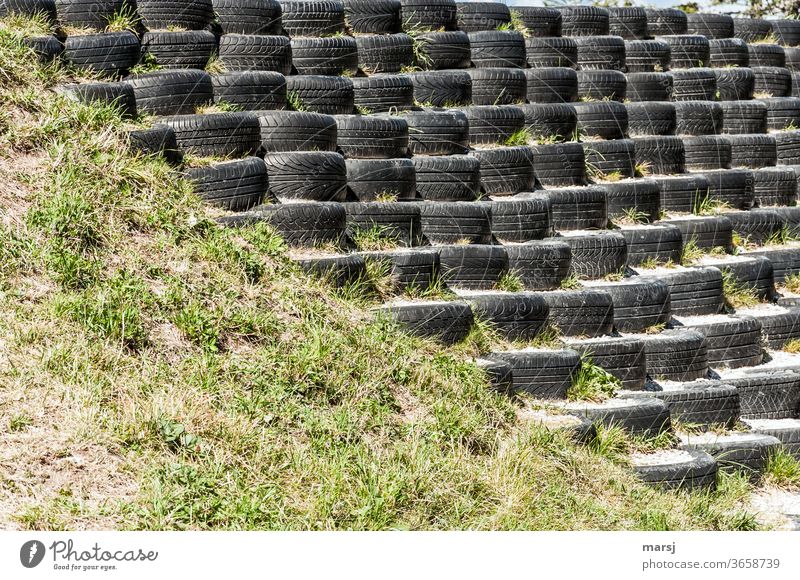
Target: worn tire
x: 679, y: 355
x: 506, y: 170
x: 447, y: 322
x: 447, y: 178
x: 177, y: 92
x: 306, y: 176
x: 179, y: 50
x: 473, y: 267
x: 217, y: 134
x: 587, y: 312
x: 540, y: 265
x: 707, y: 152
x: 681, y: 193
x: 442, y: 88
x: 383, y: 93
x: 286, y: 131
x: 646, y: 56
x: 552, y: 85
x: 603, y: 119
x: 519, y: 221
x: 695, y: 292
x: 542, y: 374
x: 651, y: 119
x: 398, y: 222
x: 519, y: 316
x: 446, y: 223
x: 646, y: 243
x: 623, y: 358
x: 235, y: 185
x: 108, y: 54
x: 384, y: 53
x: 498, y: 86
x: 649, y: 86
x: 239, y: 52
x: 374, y: 179
x: 251, y: 90
x: 551, y: 52
x: 323, y: 94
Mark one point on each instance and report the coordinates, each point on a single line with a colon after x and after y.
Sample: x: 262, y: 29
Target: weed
x: 510, y: 282
x: 655, y: 328
x: 782, y: 470
x: 375, y: 238
x: 593, y: 383
x: 19, y: 423
x: 642, y: 169
x: 737, y: 295
x: 792, y: 283
x: 691, y: 252
x: 632, y: 215
x: 784, y: 235
x: 519, y: 137
x: 362, y: 110
x: 215, y: 66
x: 124, y: 19
x: 571, y: 282
x: 793, y: 346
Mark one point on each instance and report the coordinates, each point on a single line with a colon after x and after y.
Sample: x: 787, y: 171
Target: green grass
x: 212, y: 385
x: 736, y: 294
x: 593, y: 383
x: 374, y: 239
x: 782, y: 470
x: 792, y: 283
x: 571, y: 282
x: 520, y: 137
x: 510, y: 282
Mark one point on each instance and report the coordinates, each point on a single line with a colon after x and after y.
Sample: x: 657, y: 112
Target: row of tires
x: 328, y: 17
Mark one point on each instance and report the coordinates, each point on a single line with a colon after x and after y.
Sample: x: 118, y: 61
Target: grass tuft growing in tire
x: 736, y: 294
x: 782, y: 470
x: 592, y: 383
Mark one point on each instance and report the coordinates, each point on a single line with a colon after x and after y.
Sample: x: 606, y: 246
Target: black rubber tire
x: 118, y: 95
x: 383, y: 53
x: 447, y: 322
x: 646, y: 56
x: 443, y: 50
x: 788, y: 434
x: 751, y: 29
x: 251, y: 90
x: 337, y: 270
x: 397, y: 221
x: 754, y: 274
x: 157, y: 140
x: 286, y: 131
x: 312, y: 17
x: 775, y: 186
x: 556, y: 121
x: 733, y: 343
x: 307, y: 176
x: 649, y: 86
x: 662, y: 154
x: 597, y: 254
x: 497, y: 48
x: 746, y: 117
x: 602, y: 85
x: 666, y: 21
x: 603, y: 119
x: 728, y: 52
x: 217, y: 134
x: 447, y: 178
x: 374, y: 179
x: 179, y: 50
x: 695, y: 292
x: 676, y: 355
x: 791, y: 216
x: 578, y: 208
x: 551, y: 85
x: 707, y: 152
x: 407, y: 269
x: 779, y: 328
x: 710, y: 25
x: 235, y: 185
x: 542, y: 374
x: 323, y: 94
x: 498, y: 373
x: 539, y: 20
x: 621, y: 357
x: 164, y: 14
x: 768, y: 394
x: 473, y: 267
x: 700, y: 403
x: 239, y: 52
x: 551, y: 52
x: 539, y: 265
x: 437, y: 132
x: 428, y: 14
x: 649, y: 118
x: 506, y: 170
x: 766, y: 55
x: 700, y: 473
x: 475, y: 16
x: 47, y: 8
x: 642, y: 196
x: 795, y: 84
x: 519, y: 316
x: 681, y: 193
x: 248, y: 16
x: 519, y: 221
x: 646, y: 243
x: 771, y: 80
x: 372, y: 16
x: 452, y: 88
x: 372, y: 137
x: 498, y: 86
x: 788, y: 145
x: 445, y: 223
x: 616, y: 157
x: 330, y: 56
x: 735, y: 84
x: 93, y: 14
x: 753, y: 151
x: 383, y: 93
x: 177, y: 92
x: 588, y: 313
x: 493, y: 125
x: 628, y: 22
x: 584, y: 21
x: 303, y: 225
x: 559, y: 164
x: 644, y: 417
x: 786, y: 31
x: 698, y: 84
x: 687, y: 50
x: 757, y: 225
x: 601, y: 53
x: 748, y: 453
x: 707, y: 232
x: 785, y: 262
x: 639, y: 303
x: 108, y: 54
x: 47, y: 48
x: 782, y: 112
x: 698, y: 118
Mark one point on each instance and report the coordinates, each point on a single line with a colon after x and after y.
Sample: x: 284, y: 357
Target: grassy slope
x: 159, y: 372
